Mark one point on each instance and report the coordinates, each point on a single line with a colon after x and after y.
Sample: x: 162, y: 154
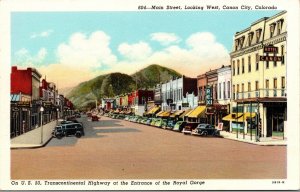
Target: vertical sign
x: 208, y: 96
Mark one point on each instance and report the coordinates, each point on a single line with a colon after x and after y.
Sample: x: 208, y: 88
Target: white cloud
x: 78, y: 58
x: 138, y: 51
x: 165, y: 38
x: 89, y: 51
x: 25, y: 58
x: 41, y: 34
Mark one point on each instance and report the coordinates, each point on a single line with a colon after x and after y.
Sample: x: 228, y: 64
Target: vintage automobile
x: 95, y: 118
x: 160, y: 123
x: 189, y: 127
x: 179, y: 126
x: 148, y: 122
x: 65, y: 130
x: 205, y: 130
x: 170, y: 124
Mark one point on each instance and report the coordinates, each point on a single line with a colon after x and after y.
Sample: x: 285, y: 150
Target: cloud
x: 84, y: 56
x: 89, y: 51
x: 165, y: 38
x: 65, y: 76
x: 138, y: 51
x: 25, y: 58
x: 42, y: 34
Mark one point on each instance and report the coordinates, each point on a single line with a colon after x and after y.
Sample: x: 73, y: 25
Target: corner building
x: 258, y: 84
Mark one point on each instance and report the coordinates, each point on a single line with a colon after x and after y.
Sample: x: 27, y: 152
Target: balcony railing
x: 261, y: 93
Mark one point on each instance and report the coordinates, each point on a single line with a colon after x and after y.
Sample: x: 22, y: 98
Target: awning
x: 159, y: 113
x: 186, y: 112
x: 177, y: 113
x: 196, y: 113
x: 153, y: 110
x: 237, y: 117
x: 164, y: 114
x: 15, y: 97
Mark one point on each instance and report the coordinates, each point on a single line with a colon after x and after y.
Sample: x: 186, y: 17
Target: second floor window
x: 267, y: 83
x: 243, y: 66
x: 228, y: 89
x: 238, y: 67
x: 249, y: 86
x: 258, y: 34
x: 256, y: 85
x: 272, y: 29
x: 249, y: 64
x: 257, y: 62
x: 275, y: 83
x: 283, y: 82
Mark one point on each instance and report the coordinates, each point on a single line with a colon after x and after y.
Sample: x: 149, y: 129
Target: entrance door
x: 269, y: 122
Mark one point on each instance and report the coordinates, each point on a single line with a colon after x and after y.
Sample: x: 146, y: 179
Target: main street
x: 118, y: 149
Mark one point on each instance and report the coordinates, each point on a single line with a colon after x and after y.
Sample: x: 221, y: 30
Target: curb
x: 33, y: 147
x: 256, y: 143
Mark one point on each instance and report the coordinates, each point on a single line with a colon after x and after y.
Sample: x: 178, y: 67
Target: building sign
x: 270, y: 49
x: 47, y: 104
x: 23, y: 104
x: 208, y: 96
x: 271, y: 58
x: 185, y: 104
x: 210, y: 110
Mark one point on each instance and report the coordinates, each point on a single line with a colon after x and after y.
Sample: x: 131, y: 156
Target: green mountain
x: 85, y: 94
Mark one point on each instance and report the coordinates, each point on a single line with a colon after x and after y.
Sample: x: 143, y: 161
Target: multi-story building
x: 157, y: 94
x: 175, y: 90
x: 201, y: 84
x: 258, y: 66
x: 25, y: 102
x: 140, y: 100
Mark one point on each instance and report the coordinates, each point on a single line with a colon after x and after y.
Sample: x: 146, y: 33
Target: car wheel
x: 58, y: 136
x: 204, y: 133
x: 78, y: 134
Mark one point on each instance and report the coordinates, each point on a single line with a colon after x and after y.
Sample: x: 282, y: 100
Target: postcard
x: 149, y: 95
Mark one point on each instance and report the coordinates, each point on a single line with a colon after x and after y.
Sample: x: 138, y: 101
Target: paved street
x: 118, y: 149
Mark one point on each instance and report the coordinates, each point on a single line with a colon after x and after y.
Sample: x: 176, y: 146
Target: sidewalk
x: 34, y: 138
x: 247, y: 139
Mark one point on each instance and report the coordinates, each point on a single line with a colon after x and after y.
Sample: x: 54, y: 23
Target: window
x: 249, y: 86
x: 219, y: 90
x: 250, y: 37
x: 236, y: 44
x: 223, y: 90
x: 272, y: 29
x: 242, y: 42
x: 237, y: 88
x: 233, y: 91
x: 228, y: 89
x: 279, y: 26
x: 233, y: 68
x: 249, y: 64
x: 238, y: 67
x: 282, y: 53
x: 258, y: 34
x: 275, y: 83
x: 257, y: 61
x: 283, y: 82
x: 267, y: 83
x: 243, y: 66
x: 256, y: 85
x: 267, y: 64
x: 243, y: 87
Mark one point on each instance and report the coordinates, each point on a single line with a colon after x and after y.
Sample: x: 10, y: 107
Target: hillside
x: 85, y: 94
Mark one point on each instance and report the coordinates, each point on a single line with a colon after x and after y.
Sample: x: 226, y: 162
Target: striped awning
x: 164, y: 114
x: 197, y: 112
x: 15, y: 97
x: 236, y: 117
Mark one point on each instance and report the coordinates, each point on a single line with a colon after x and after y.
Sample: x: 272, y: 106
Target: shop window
x: 233, y: 91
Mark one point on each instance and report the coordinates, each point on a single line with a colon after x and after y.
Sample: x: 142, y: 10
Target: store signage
x: 208, y: 96
x: 15, y: 109
x: 270, y: 49
x: 271, y: 58
x: 23, y: 104
x: 47, y: 104
x: 185, y: 104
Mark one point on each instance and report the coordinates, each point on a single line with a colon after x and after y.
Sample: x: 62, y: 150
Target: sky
x: 72, y: 47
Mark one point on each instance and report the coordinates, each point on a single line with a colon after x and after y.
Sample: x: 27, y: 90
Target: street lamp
x: 57, y: 110
x: 42, y: 110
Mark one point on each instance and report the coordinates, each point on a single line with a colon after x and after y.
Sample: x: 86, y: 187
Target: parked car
x: 170, y: 124
x: 189, y: 127
x: 160, y: 123
x: 206, y: 129
x: 148, y: 122
x: 179, y: 125
x: 65, y: 130
x: 153, y: 121
x: 67, y: 122
x: 95, y: 118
